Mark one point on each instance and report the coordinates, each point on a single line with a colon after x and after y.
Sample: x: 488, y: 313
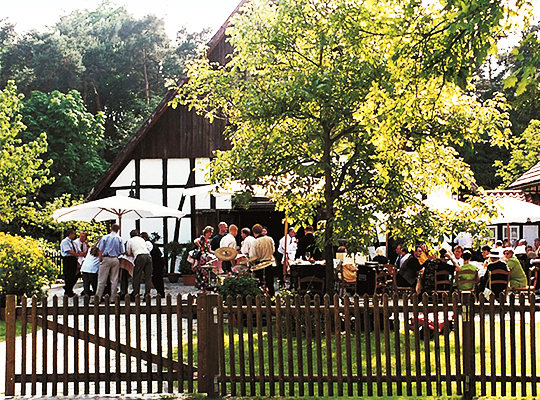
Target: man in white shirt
x: 229, y: 240
x: 281, y: 260
x: 81, y: 246
x: 136, y: 247
x: 247, y: 241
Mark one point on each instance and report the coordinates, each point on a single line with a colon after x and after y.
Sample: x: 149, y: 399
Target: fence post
x: 207, y: 344
x: 11, y: 318
x: 469, y: 384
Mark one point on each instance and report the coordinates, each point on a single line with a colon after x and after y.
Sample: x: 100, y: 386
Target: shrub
x: 24, y: 268
x: 181, y: 250
x: 241, y: 284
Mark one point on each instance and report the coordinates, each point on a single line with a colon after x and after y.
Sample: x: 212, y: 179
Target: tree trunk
x: 146, y: 85
x: 329, y: 214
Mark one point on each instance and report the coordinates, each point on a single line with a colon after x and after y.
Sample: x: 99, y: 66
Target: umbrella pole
x: 508, y: 233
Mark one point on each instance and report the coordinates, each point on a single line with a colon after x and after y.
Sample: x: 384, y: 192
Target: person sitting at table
x: 494, y: 263
x: 379, y: 256
x: 518, y: 279
x: 408, y: 272
x: 307, y: 245
x: 467, y: 266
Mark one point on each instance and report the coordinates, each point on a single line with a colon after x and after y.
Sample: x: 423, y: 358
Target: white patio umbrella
x: 115, y: 207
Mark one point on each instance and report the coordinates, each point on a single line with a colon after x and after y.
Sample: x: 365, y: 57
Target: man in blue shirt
x: 110, y: 247
x: 69, y: 262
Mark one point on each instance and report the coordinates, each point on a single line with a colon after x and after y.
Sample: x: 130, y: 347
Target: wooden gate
x: 72, y: 347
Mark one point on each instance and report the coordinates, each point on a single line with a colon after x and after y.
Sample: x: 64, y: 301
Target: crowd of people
x: 110, y: 261
x: 255, y: 245
x: 420, y: 268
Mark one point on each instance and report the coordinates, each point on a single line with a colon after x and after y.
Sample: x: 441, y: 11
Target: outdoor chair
x: 400, y: 290
x: 384, y: 282
x: 499, y: 277
x: 347, y: 279
x: 311, y: 285
x: 443, y: 282
x: 466, y: 281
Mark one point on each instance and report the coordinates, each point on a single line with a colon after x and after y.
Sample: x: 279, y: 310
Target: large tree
x: 352, y: 107
x: 22, y: 169
x: 75, y: 138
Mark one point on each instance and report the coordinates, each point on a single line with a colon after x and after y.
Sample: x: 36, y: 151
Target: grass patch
x: 3, y: 330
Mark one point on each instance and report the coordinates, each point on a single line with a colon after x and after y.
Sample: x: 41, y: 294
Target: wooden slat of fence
x: 76, y: 343
x: 447, y: 327
x: 309, y: 345
x: 492, y: 348
x: 10, y: 332
x: 24, y: 329
x: 318, y: 341
x: 118, y: 353
x: 65, y: 318
x: 251, y: 349
x: 513, y: 345
x: 180, y: 341
x: 279, y: 337
x: 387, y: 351
x: 416, y: 326
x: 33, y: 389
x: 138, y: 338
x: 232, y: 362
x: 483, y: 345
x: 86, y: 325
x: 337, y: 335
x: 241, y: 350
x: 408, y: 363
x: 358, y: 342
x: 107, y: 344
x: 97, y: 380
x: 159, y: 342
x: 503, y: 345
x: 427, y: 349
x: 169, y: 318
x: 532, y: 324
x: 377, y: 333
x: 367, y: 337
x: 270, y: 341
x: 149, y: 366
x: 397, y: 343
x: 190, y: 342
x: 127, y: 319
x: 221, y: 345
x: 260, y: 345
x: 328, y: 338
x: 55, y: 347
x: 437, y: 346
x: 523, y: 352
x: 45, y: 361
x: 299, y: 346
x: 348, y: 346
x: 456, y: 308
x: 288, y: 327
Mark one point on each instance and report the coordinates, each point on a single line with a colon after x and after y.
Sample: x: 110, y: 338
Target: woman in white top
x: 89, y: 270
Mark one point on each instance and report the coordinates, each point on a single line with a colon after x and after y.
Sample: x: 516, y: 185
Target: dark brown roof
x: 516, y: 194
x: 123, y: 157
x: 528, y: 179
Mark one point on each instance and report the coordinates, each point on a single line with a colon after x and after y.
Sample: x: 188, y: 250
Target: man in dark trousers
x: 157, y: 264
x: 69, y: 262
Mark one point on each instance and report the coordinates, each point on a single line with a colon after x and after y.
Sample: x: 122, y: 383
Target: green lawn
x: 3, y: 330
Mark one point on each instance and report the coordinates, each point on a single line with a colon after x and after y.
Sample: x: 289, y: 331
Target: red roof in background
x: 530, y: 197
x: 528, y: 179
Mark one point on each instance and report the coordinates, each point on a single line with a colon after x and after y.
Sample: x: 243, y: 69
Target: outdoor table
x: 303, y: 269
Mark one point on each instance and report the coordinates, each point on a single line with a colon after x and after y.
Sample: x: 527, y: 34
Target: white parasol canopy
x: 515, y: 211
x: 115, y: 207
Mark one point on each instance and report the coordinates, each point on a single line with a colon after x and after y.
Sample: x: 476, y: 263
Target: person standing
x: 136, y: 247
x: 157, y: 264
x: 81, y: 246
x: 69, y: 262
x: 282, y: 258
x: 89, y: 271
x: 229, y: 240
x: 307, y: 245
x: 222, y: 231
x: 261, y: 251
x: 247, y: 241
x: 110, y: 247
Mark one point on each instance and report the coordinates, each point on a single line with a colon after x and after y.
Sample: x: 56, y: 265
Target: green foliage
x: 239, y: 285
x: 354, y: 108
x: 75, y: 139
x: 22, y: 169
x: 524, y: 154
x: 120, y: 64
x: 24, y: 268
x: 176, y: 250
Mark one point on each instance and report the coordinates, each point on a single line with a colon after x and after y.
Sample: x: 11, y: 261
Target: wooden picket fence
x: 293, y: 346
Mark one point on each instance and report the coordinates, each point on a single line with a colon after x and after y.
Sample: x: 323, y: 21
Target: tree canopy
x: 355, y: 105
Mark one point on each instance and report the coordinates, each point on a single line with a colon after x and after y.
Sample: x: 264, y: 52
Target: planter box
x: 189, y: 280
x: 173, y: 278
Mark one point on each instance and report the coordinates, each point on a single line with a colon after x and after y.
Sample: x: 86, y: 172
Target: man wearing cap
x: 110, y: 247
x: 229, y: 240
x: 518, y: 279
